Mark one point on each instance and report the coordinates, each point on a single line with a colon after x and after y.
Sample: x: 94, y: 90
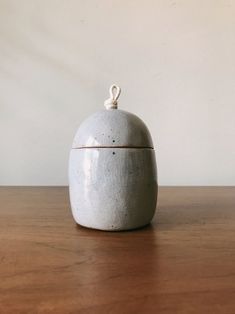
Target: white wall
x: 175, y: 62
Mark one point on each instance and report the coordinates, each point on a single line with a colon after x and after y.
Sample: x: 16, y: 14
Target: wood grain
x: 183, y: 263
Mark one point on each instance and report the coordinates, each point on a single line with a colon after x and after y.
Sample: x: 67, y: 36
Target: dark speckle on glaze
x: 113, y: 153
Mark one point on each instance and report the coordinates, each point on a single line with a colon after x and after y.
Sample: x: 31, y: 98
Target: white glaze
x: 113, y: 128
x: 112, y: 170
x: 113, y: 188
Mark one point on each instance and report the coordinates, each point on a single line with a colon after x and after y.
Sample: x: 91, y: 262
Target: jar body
x: 113, y: 188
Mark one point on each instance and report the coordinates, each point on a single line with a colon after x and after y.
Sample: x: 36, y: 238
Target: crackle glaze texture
x: 112, y: 172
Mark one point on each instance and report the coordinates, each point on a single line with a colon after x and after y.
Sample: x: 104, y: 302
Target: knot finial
x: 114, y: 92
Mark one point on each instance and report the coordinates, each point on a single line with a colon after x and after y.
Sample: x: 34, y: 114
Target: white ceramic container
x: 112, y: 170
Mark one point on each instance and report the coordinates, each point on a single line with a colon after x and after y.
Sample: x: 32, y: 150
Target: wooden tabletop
x: 183, y: 263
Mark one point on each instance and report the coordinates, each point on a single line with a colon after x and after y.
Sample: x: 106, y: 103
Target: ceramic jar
x: 112, y: 170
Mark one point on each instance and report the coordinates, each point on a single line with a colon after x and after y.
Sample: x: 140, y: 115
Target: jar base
x: 113, y: 229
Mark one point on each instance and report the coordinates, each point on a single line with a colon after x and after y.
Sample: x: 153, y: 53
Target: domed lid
x: 112, y: 127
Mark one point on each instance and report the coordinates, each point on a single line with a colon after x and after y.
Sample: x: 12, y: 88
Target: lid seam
x: 133, y: 147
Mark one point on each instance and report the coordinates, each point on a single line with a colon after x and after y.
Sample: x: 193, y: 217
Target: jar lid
x: 112, y: 127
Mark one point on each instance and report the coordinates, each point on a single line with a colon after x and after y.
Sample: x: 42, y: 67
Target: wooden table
x: 183, y: 263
